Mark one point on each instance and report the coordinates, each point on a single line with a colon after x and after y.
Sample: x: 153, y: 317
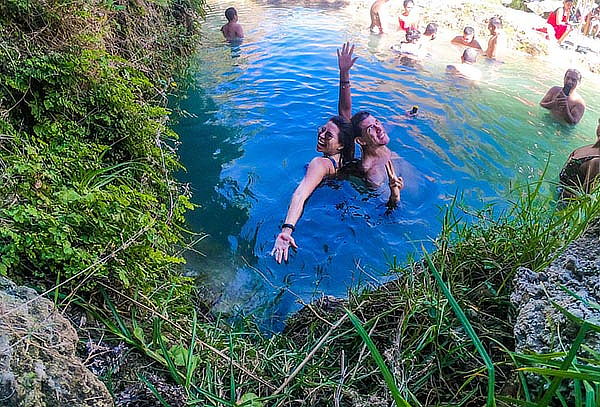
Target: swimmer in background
x: 467, y: 39
x: 430, y: 31
x: 565, y: 103
x: 466, y: 69
x: 370, y: 134
x: 232, y: 30
x: 375, y: 17
x: 497, y: 41
x: 408, y: 19
x: 411, y: 48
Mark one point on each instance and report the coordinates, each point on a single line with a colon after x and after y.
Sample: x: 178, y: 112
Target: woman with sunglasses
x: 335, y: 141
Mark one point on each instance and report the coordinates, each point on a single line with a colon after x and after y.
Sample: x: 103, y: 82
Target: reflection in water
x: 251, y: 129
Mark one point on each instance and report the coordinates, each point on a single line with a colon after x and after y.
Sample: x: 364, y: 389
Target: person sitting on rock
x: 564, y: 102
x: 466, y: 69
x: 581, y: 169
x: 467, y: 39
x: 496, y: 43
x: 232, y: 30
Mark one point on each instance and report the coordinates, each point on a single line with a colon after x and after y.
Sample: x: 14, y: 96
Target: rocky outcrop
x: 38, y: 366
x: 540, y: 326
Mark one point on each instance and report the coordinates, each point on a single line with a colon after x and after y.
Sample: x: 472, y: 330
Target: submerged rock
x: 38, y: 366
x: 540, y: 326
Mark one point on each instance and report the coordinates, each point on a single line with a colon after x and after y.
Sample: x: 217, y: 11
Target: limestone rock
x: 540, y: 327
x: 38, y: 366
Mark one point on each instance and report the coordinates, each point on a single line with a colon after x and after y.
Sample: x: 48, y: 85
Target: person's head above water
x: 431, y: 30
x: 231, y: 14
x: 336, y: 136
x: 468, y: 34
x: 494, y: 25
x: 572, y: 78
x: 368, y: 131
x: 413, y: 36
x: 469, y: 56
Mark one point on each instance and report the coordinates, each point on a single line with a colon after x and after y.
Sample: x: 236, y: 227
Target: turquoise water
x: 249, y: 129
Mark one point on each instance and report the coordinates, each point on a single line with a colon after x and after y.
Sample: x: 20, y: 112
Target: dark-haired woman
x: 336, y: 141
x: 408, y: 20
x: 581, y: 170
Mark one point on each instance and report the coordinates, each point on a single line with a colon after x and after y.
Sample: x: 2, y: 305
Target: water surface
x: 250, y: 129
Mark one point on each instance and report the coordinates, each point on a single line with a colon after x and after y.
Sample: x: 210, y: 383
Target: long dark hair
x: 345, y: 138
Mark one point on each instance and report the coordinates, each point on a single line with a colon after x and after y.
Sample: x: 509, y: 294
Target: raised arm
x: 345, y: 62
x: 318, y: 169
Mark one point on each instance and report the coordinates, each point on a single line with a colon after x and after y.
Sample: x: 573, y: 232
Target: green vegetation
x: 86, y: 185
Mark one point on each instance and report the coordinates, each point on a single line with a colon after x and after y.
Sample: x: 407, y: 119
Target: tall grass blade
x: 491, y: 399
x: 387, y: 375
x: 190, y: 364
x: 565, y: 365
x: 153, y: 390
x: 165, y: 353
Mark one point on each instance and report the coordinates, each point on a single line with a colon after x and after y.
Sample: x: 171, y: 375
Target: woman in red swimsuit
x: 558, y: 20
x: 407, y: 20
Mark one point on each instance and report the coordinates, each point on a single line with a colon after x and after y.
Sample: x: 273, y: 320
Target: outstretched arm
x: 345, y: 62
x: 317, y: 170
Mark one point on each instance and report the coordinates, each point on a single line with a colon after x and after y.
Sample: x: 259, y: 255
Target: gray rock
x: 540, y: 327
x: 38, y: 366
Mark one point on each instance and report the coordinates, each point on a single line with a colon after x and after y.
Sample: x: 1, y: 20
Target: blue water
x: 248, y: 129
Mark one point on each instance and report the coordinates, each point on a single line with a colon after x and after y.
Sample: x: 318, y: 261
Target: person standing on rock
x: 565, y: 103
x: 375, y: 18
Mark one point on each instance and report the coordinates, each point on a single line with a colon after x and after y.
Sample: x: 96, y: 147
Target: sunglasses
x: 328, y: 135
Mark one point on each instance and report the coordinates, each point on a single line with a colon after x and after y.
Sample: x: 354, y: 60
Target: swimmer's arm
x: 574, y: 113
x: 317, y: 170
x: 548, y: 101
x: 345, y: 62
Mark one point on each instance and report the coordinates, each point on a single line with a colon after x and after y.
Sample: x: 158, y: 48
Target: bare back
x: 232, y: 31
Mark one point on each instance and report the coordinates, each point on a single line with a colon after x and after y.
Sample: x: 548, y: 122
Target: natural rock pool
x: 250, y: 129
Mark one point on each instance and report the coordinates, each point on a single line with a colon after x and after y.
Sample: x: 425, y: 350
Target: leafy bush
x: 85, y: 154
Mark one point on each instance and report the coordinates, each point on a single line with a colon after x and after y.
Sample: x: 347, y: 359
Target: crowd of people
x: 338, y: 138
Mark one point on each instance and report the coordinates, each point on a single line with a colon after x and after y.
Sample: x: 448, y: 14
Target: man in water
x: 375, y: 18
x: 232, y: 30
x: 466, y: 69
x: 565, y: 103
x: 377, y: 164
x: 496, y: 43
x: 467, y: 39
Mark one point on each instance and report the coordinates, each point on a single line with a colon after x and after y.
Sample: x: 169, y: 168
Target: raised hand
x: 345, y: 59
x: 396, y: 184
x: 282, y: 246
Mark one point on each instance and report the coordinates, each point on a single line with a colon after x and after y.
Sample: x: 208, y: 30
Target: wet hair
x: 345, y: 138
x: 230, y: 13
x: 470, y: 55
x: 576, y: 72
x: 406, y: 2
x: 431, y: 29
x: 356, y: 120
x: 469, y: 31
x: 413, y: 35
x: 496, y: 22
